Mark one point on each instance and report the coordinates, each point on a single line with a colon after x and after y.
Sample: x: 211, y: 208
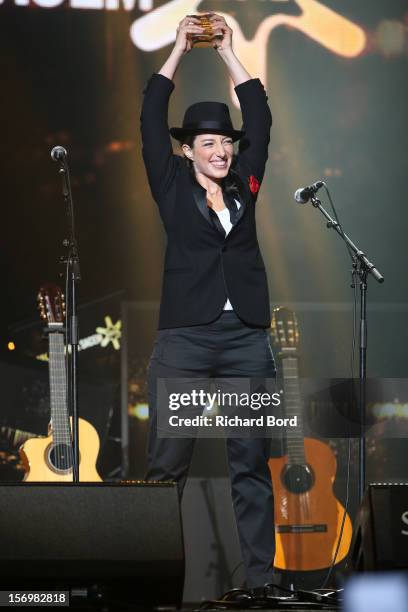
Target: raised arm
x: 256, y: 114
x: 157, y: 150
x: 257, y: 121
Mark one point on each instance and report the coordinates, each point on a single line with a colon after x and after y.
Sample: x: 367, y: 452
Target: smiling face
x: 211, y: 154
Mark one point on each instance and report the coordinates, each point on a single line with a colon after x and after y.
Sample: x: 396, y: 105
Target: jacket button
x: 224, y: 248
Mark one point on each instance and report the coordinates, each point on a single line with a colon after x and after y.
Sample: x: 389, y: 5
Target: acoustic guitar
x: 308, y: 516
x: 50, y: 459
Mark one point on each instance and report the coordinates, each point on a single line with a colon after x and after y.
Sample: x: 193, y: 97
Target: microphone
x: 58, y: 153
x: 303, y: 194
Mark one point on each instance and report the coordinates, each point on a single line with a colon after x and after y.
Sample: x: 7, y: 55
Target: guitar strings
x: 297, y: 453
x: 54, y: 417
x: 54, y: 399
x: 64, y: 411
x: 59, y: 416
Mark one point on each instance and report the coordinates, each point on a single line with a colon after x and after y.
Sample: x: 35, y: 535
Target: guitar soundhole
x: 297, y: 478
x: 60, y: 457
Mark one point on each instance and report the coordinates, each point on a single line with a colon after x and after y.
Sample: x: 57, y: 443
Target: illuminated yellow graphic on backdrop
x: 156, y: 29
x: 323, y: 25
x: 110, y: 334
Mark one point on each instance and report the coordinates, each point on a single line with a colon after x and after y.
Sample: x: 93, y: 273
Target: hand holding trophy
x: 222, y: 33
x: 205, y: 30
x: 190, y: 26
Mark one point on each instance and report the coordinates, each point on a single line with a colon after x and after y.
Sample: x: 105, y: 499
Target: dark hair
x: 229, y: 183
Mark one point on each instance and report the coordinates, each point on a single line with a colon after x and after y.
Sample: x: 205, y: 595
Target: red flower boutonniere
x: 253, y: 184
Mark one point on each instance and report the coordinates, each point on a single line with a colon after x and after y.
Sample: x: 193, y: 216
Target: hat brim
x: 180, y: 133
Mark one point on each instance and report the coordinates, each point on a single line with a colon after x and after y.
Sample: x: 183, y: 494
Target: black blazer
x: 202, y: 266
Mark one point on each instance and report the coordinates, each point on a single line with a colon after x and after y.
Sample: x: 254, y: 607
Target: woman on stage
x: 214, y: 310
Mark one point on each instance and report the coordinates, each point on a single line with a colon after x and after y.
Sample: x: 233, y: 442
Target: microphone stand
x: 361, y: 268
x: 71, y: 260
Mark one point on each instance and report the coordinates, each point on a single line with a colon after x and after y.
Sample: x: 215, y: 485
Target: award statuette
x: 208, y: 37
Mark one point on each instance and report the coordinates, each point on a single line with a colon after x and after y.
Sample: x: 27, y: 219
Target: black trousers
x: 225, y: 348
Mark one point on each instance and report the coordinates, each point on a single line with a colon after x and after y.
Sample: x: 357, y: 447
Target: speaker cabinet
x: 380, y: 539
x: 119, y: 542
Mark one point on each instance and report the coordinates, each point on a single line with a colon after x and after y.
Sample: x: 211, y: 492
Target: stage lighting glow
x: 11, y: 346
x: 391, y: 37
x: 139, y: 411
x: 376, y: 593
x: 332, y: 172
x: 391, y: 409
x: 117, y: 146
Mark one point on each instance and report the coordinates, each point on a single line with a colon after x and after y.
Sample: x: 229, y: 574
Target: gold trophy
x: 208, y: 37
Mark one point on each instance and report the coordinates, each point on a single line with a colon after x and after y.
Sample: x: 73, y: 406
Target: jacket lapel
x: 200, y: 197
x: 243, y: 198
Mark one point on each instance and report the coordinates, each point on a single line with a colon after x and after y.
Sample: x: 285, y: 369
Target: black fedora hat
x: 207, y: 118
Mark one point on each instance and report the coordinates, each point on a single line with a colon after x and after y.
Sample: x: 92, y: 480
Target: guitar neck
x: 58, y: 387
x: 293, y: 407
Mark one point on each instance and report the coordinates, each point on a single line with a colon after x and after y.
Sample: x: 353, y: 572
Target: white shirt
x: 224, y: 217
